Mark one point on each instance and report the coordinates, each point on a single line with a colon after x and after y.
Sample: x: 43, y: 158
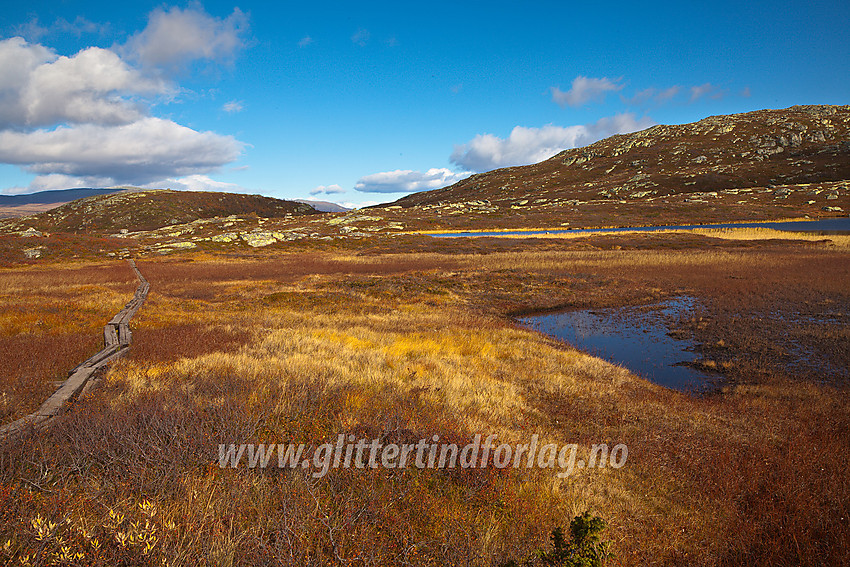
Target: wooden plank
x: 116, y: 337
x: 110, y: 335
x: 68, y: 390
x: 124, y: 334
x: 94, y: 361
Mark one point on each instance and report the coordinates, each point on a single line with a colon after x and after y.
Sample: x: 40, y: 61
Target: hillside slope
x: 782, y: 151
x: 149, y: 210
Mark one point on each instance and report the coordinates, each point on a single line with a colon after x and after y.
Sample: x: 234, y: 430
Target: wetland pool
x: 635, y: 337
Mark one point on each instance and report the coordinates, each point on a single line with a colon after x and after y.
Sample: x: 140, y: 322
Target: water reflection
x: 636, y: 337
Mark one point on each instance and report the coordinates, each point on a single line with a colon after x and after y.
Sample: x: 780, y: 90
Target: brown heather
x: 301, y: 346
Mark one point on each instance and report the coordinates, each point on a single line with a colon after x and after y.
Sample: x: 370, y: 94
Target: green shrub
x: 585, y: 548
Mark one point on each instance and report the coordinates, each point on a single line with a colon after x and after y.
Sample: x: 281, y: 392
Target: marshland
x: 407, y: 338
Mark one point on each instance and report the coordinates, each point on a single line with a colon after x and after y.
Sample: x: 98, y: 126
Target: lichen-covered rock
x: 226, y: 237
x: 175, y: 245
x: 258, y: 239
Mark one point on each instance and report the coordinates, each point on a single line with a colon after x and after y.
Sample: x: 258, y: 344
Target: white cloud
x: 31, y: 30
x: 145, y: 150
x: 361, y: 37
x: 408, y: 181
x: 652, y: 96
x: 359, y: 204
x: 34, y: 31
x: 745, y: 92
x: 668, y: 94
x: 16, y: 190
x: 707, y: 89
x: 583, y: 90
x: 305, y: 41
x: 327, y: 190
x: 39, y: 88
x: 53, y: 181
x: 234, y: 106
x: 531, y: 145
x: 83, y: 121
x: 175, y: 37
x: 80, y: 26
x: 195, y: 183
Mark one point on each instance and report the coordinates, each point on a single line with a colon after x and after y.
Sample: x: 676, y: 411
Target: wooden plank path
x: 116, y: 341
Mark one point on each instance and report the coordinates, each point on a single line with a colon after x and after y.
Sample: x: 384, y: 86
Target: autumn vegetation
x: 410, y: 337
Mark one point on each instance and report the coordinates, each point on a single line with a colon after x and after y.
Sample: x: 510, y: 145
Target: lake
x: 839, y: 225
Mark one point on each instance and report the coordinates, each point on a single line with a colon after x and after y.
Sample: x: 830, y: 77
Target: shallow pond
x: 827, y: 226
x: 635, y: 337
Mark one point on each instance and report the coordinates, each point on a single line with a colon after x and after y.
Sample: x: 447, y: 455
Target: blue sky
x: 361, y: 103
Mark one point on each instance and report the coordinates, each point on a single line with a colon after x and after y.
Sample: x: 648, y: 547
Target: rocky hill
x: 797, y: 155
x: 134, y: 211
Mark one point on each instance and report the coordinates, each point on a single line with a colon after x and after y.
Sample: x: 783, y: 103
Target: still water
x: 635, y: 337
x: 827, y: 226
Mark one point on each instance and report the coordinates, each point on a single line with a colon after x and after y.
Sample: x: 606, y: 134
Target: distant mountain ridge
x: 324, y: 206
x: 55, y: 196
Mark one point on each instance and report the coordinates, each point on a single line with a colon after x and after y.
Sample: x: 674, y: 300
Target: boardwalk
x: 116, y: 339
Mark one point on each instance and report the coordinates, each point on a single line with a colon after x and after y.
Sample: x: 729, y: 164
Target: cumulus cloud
x: 139, y: 152
x: 175, y: 37
x: 195, y: 183
x: 584, y: 90
x: 327, y: 190
x: 39, y: 88
x: 54, y: 181
x: 16, y: 190
x: 84, y: 121
x: 531, y: 145
x: 408, y: 181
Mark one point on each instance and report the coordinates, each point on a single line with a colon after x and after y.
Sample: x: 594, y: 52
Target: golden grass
x: 51, y: 319
x: 838, y: 240
x: 300, y: 348
x: 760, y: 233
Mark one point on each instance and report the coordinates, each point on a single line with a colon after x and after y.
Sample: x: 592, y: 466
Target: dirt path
x: 116, y: 339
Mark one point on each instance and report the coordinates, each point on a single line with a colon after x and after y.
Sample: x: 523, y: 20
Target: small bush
x: 583, y: 550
